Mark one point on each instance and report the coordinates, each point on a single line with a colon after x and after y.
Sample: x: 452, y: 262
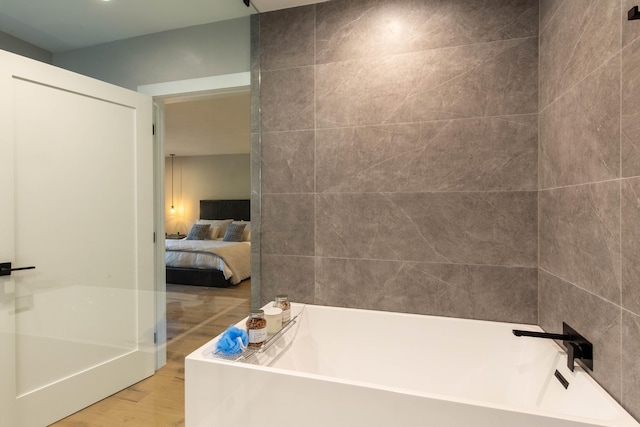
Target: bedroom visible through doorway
x: 206, y: 124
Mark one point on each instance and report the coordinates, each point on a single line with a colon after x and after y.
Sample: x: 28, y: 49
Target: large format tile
x: 290, y: 275
x: 548, y: 9
x: 469, y: 228
x: 630, y: 29
x: 256, y: 178
x: 287, y: 38
x: 287, y: 99
x: 630, y: 243
x: 488, y: 79
x: 254, y: 60
x: 475, y: 154
x: 579, y: 236
x: 287, y: 224
x: 580, y: 37
x: 467, y: 291
x: 368, y: 28
x: 256, y: 218
x: 596, y: 319
x: 630, y: 141
x: 580, y: 132
x: 288, y: 162
x: 631, y: 363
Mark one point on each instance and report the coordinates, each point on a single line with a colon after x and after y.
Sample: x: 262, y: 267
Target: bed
x: 212, y: 262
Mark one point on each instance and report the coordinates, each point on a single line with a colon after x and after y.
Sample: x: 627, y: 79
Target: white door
x: 76, y: 202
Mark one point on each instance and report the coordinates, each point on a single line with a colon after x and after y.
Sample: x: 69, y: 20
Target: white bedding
x: 232, y: 258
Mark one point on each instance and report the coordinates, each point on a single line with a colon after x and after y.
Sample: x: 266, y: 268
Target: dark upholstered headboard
x: 239, y: 210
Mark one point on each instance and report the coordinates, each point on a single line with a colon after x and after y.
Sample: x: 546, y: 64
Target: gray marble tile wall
x: 589, y: 183
x: 399, y: 156
x: 256, y: 155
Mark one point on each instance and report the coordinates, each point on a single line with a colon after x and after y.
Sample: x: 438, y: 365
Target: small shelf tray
x: 252, y: 351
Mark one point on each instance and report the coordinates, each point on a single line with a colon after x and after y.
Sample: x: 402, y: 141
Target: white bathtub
x: 351, y: 368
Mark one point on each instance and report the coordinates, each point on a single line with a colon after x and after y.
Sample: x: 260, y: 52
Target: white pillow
x: 246, y: 236
x: 214, y: 232
x: 217, y: 225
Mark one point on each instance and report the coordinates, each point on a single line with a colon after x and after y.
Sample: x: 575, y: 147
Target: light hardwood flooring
x: 195, y: 315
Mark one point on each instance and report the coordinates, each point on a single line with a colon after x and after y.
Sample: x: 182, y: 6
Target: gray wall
x: 589, y: 201
x: 399, y: 156
x: 187, y: 53
x: 20, y: 47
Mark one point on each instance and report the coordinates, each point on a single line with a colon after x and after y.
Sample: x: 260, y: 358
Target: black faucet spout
x: 578, y: 347
x: 521, y: 333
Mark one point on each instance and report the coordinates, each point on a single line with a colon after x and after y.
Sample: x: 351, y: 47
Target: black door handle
x: 5, y: 268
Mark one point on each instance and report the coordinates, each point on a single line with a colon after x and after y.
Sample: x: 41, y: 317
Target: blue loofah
x: 232, y: 341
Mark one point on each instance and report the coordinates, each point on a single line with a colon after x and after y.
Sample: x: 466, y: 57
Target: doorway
x: 167, y: 97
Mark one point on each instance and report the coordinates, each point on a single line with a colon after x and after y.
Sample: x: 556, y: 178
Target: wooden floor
x: 195, y: 315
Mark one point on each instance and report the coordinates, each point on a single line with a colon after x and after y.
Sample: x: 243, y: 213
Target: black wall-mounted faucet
x: 578, y: 347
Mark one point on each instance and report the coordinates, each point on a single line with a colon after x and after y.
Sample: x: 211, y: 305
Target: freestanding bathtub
x: 345, y: 367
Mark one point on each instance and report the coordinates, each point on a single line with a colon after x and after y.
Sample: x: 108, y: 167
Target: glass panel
x: 78, y: 309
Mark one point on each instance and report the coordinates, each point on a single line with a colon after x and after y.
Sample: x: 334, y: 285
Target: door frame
x: 161, y: 92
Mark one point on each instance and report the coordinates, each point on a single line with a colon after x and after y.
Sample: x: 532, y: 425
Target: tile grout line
x: 334, y: 193
x: 315, y: 151
x: 462, y: 264
x: 407, y: 123
x: 620, y: 207
x: 396, y: 54
x: 587, y: 291
x: 540, y: 31
x: 561, y: 187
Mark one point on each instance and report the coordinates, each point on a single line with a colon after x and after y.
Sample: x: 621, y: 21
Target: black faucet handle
x: 577, y: 348
x: 573, y: 351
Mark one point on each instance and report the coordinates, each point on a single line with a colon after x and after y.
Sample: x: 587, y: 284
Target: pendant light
x: 173, y: 210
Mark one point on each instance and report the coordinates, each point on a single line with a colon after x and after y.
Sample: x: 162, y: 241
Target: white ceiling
x: 61, y: 25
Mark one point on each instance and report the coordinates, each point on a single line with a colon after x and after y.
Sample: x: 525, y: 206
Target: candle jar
x: 274, y: 320
x: 257, y: 328
x: 282, y: 302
